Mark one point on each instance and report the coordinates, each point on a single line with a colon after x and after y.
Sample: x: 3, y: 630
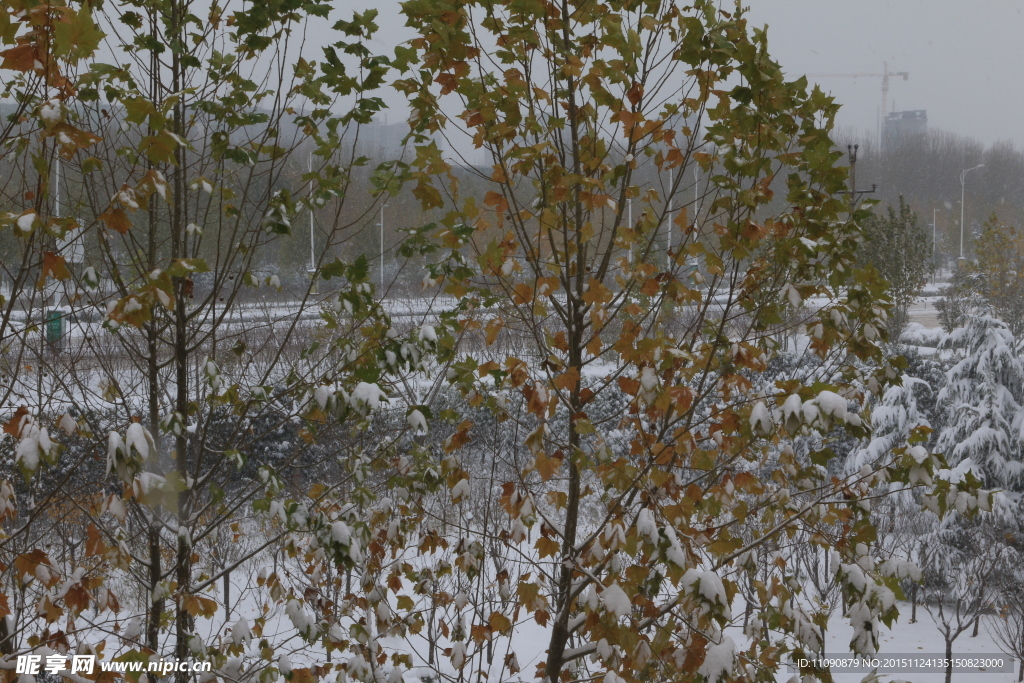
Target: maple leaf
x: 20, y: 58
x: 568, y: 380
x: 94, y: 544
x: 53, y: 266
x: 493, y: 327
x: 117, y: 220
x: 546, y: 467
x: 14, y: 425
x: 76, y: 36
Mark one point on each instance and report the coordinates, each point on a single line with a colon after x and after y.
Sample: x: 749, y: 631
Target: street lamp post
x: 963, y: 176
x: 934, y: 243
x: 312, y: 236
x: 382, y: 207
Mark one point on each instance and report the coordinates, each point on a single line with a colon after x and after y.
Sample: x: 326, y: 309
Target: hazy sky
x: 965, y: 57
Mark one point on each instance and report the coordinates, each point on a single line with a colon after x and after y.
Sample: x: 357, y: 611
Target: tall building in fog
x: 900, y: 125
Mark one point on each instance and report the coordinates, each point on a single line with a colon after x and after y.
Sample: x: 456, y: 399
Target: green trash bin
x: 54, y: 318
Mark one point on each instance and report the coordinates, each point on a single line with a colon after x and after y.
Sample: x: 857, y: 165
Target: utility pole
x: 963, y: 175
x: 668, y: 231
x: 629, y: 219
x: 935, y: 264
x: 382, y: 207
x: 851, y: 151
x: 312, y: 238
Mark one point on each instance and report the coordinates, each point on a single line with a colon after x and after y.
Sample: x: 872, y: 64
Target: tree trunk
x: 977, y: 620
x: 431, y: 638
x: 913, y: 604
x: 227, y: 595
x: 576, y: 325
x: 6, y: 644
x: 949, y: 660
x: 156, y: 607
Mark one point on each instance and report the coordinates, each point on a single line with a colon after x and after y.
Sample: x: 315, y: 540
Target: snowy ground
x: 921, y: 640
x: 924, y: 312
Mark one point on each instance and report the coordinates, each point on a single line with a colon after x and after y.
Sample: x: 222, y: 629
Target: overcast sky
x: 965, y: 57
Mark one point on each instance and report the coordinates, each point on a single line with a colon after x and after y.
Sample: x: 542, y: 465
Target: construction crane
x: 885, y: 88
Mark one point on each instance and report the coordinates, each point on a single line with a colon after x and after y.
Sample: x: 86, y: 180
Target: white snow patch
x: 616, y: 601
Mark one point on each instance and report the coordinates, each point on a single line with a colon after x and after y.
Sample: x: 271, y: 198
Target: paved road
x: 925, y: 313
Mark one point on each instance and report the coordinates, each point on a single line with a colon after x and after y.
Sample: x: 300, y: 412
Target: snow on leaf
x: 832, y: 404
x: 718, y: 661
x: 791, y: 293
x: 616, y: 601
x: 791, y: 413
x: 760, y: 419
x: 417, y: 422
x: 646, y: 526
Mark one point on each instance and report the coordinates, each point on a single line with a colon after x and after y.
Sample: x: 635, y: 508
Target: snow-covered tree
x: 961, y: 562
x: 1006, y: 622
x: 981, y: 402
x: 626, y: 278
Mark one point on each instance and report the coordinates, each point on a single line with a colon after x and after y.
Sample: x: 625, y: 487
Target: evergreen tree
x: 981, y: 403
x: 898, y: 247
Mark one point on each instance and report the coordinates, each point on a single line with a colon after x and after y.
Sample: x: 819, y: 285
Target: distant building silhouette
x: 900, y: 125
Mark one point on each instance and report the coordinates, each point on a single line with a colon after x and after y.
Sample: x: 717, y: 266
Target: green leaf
x: 77, y: 36
x: 186, y: 267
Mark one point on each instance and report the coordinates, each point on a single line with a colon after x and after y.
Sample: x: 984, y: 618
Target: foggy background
x: 965, y: 59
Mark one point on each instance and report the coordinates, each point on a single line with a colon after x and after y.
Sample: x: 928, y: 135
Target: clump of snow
x: 460, y: 491
x: 428, y: 333
x: 34, y: 444
x: 300, y: 618
x: 917, y: 334
x: 918, y: 453
x: 367, y: 397
x: 791, y: 413
x: 340, y: 533
x: 50, y: 112
x: 127, y: 198
x: 115, y: 506
x: 458, y: 655
x: 417, y: 422
x: 833, y: 405
x: 616, y: 601
x: 114, y: 444
x: 148, y: 482
x: 810, y: 412
x: 26, y: 221
x: 760, y: 419
x: 675, y: 552
x: 646, y: 526
x: 709, y: 587
x: 718, y: 661
x: 241, y: 634
x: 139, y: 439
x: 648, y: 379
x: 322, y: 395
x: 67, y: 424
x: 203, y: 184
x: 791, y: 293
x: 133, y: 630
